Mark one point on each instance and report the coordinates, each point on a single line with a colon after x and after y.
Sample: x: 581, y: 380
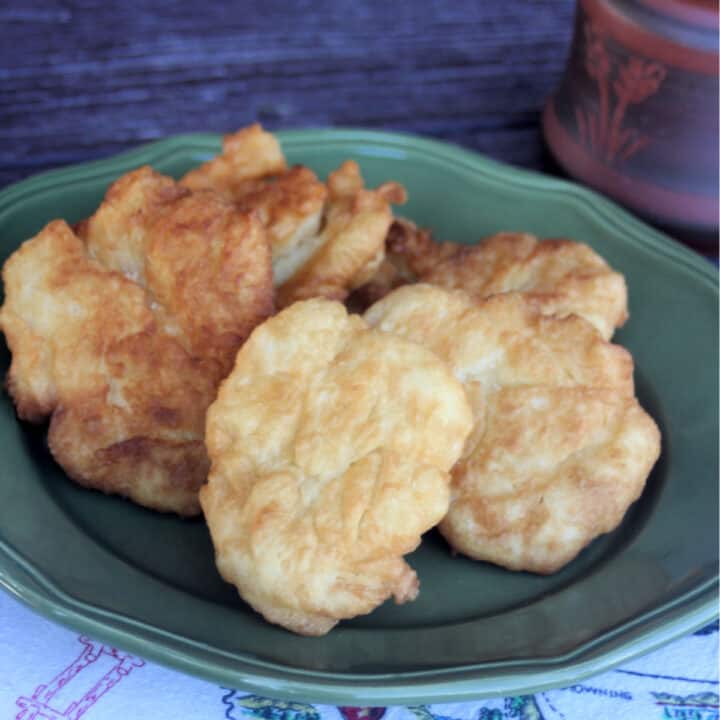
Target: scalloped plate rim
x: 497, y: 678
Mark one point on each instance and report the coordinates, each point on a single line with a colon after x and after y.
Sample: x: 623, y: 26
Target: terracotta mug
x: 636, y: 113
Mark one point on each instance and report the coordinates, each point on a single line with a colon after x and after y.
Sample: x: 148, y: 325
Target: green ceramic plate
x: 147, y: 583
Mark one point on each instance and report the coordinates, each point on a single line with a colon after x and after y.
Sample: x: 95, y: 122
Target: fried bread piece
x: 351, y: 246
x: 247, y: 155
x: 126, y: 401
x: 252, y: 172
x: 116, y: 234
x: 560, y: 447
x: 330, y: 446
x: 205, y: 266
x: 291, y: 208
x: 123, y: 338
x: 560, y: 277
x: 325, y: 240
x: 393, y: 272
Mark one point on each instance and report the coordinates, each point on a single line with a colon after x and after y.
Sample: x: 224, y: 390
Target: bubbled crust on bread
x: 209, y: 269
x: 330, y: 447
x: 123, y: 335
x: 555, y: 468
x: 559, y: 277
x: 56, y: 303
x: 560, y: 447
x: 116, y: 234
x: 205, y: 266
x: 503, y: 340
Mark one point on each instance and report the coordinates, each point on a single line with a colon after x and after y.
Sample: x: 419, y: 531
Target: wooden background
x: 83, y: 79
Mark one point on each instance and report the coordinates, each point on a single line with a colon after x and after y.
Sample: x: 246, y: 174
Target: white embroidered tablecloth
x: 50, y: 673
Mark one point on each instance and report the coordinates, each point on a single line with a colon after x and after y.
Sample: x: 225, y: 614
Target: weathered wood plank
x: 85, y: 79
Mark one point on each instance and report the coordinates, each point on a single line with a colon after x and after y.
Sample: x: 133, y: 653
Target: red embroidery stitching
x: 39, y: 705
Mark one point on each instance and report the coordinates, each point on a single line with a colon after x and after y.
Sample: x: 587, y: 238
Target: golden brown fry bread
x: 205, y: 266
x: 291, y: 208
x: 247, y: 155
x: 351, y: 246
x: 393, y: 271
x: 123, y: 339
x: 330, y: 446
x: 252, y: 172
x: 325, y: 240
x: 560, y: 447
x: 559, y: 277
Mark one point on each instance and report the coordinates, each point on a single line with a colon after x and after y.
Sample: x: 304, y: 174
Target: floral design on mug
x: 602, y: 129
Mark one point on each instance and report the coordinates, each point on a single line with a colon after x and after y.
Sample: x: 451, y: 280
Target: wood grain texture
x: 83, y: 79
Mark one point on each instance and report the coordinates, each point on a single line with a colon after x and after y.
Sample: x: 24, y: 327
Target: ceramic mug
x: 636, y: 113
